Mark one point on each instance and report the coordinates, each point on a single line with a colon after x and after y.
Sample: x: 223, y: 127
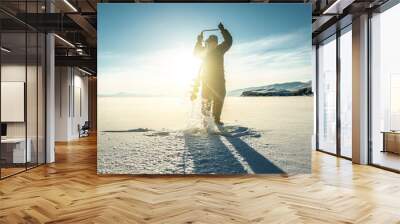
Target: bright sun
x: 182, y: 67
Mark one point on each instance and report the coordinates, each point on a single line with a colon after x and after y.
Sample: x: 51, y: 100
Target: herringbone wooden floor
x: 69, y: 191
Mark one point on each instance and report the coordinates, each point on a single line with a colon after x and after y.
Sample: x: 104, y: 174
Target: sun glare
x: 182, y: 67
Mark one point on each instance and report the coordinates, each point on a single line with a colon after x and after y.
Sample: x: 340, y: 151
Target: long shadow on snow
x: 210, y: 155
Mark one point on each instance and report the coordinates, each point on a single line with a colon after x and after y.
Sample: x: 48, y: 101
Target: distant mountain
x: 278, y: 89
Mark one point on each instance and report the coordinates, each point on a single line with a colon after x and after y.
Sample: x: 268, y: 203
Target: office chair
x: 84, y: 130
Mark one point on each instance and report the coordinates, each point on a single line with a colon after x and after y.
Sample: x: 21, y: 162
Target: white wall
x: 70, y: 84
x: 62, y: 81
x: 10, y: 73
x: 80, y: 104
x: 17, y: 73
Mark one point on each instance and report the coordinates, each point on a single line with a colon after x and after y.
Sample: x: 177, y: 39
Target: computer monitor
x: 3, y: 129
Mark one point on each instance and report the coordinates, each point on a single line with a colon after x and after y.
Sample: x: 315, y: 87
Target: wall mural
x: 204, y: 88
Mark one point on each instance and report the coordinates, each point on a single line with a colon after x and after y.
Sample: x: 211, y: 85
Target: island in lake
x: 278, y: 89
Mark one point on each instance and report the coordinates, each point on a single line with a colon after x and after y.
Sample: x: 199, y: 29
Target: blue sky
x: 147, y: 48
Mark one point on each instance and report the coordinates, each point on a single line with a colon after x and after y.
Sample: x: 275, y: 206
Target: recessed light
x: 5, y: 50
x: 64, y: 40
x: 338, y: 6
x: 70, y: 5
x: 84, y: 71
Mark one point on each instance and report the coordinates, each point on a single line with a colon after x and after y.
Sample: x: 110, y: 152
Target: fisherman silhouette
x: 211, y: 76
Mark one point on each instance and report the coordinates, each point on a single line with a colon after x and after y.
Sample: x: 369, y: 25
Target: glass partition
x: 346, y: 93
x: 327, y: 95
x: 14, y: 153
x: 385, y: 89
x: 22, y: 88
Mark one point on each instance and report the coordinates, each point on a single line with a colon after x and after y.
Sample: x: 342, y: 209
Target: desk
x: 18, y: 150
x: 391, y: 141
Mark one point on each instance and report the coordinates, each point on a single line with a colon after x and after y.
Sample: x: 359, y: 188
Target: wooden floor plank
x: 70, y: 191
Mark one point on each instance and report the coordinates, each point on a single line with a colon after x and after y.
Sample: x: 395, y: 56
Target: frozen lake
x: 158, y: 135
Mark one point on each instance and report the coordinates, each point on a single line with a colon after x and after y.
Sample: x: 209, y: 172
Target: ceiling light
x: 338, y: 6
x: 64, y: 40
x: 70, y: 5
x: 79, y: 51
x: 84, y: 71
x: 5, y: 50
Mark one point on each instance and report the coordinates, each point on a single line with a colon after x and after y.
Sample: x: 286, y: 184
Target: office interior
x: 48, y: 76
x: 355, y: 67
